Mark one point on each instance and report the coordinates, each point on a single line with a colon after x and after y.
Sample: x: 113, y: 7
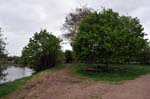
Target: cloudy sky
x: 20, y: 19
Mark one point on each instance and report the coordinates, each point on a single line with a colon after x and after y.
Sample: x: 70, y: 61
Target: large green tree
x: 42, y: 51
x: 105, y: 37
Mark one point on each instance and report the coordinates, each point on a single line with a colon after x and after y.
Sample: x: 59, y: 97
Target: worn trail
x: 61, y: 85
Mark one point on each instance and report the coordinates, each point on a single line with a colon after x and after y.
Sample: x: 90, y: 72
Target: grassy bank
x: 7, y: 88
x: 10, y: 87
x: 123, y: 72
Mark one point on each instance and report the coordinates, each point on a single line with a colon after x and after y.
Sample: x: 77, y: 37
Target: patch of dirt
x: 61, y: 85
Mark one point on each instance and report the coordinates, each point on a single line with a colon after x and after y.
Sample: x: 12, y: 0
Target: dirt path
x: 60, y: 85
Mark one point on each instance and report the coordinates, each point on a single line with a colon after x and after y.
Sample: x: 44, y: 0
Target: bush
x: 144, y: 56
x: 68, y: 56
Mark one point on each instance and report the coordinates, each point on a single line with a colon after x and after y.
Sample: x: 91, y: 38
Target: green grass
x: 123, y: 72
x: 59, y: 66
x: 7, y: 88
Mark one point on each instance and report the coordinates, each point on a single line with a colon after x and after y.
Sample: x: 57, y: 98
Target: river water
x: 14, y: 73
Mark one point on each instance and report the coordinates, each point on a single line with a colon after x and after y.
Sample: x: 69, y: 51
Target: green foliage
x: 61, y: 58
x: 42, y: 51
x: 106, y: 37
x: 2, y: 46
x: 144, y: 56
x: 69, y: 56
x: 2, y: 55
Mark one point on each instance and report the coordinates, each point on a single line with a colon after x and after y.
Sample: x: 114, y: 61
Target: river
x: 14, y: 73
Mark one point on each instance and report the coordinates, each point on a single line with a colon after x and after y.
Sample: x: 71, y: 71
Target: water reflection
x: 14, y: 73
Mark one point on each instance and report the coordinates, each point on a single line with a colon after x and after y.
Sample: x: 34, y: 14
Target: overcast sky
x: 20, y: 19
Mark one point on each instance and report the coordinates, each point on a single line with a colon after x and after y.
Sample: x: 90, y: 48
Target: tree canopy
x: 73, y: 19
x: 42, y: 51
x: 105, y: 37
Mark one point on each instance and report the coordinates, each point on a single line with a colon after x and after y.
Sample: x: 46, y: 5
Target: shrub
x: 68, y: 56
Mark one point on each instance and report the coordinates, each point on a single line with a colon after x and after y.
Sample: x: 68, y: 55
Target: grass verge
x: 9, y: 87
x: 123, y: 72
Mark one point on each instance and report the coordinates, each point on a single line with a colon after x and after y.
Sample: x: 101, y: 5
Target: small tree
x: 42, y: 51
x: 73, y: 20
x: 68, y: 56
x: 2, y: 55
x: 106, y: 37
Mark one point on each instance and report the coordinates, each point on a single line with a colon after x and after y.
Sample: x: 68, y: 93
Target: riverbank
x: 65, y: 82
x: 10, y: 87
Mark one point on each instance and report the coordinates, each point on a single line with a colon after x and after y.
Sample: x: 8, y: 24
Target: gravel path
x: 60, y: 85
